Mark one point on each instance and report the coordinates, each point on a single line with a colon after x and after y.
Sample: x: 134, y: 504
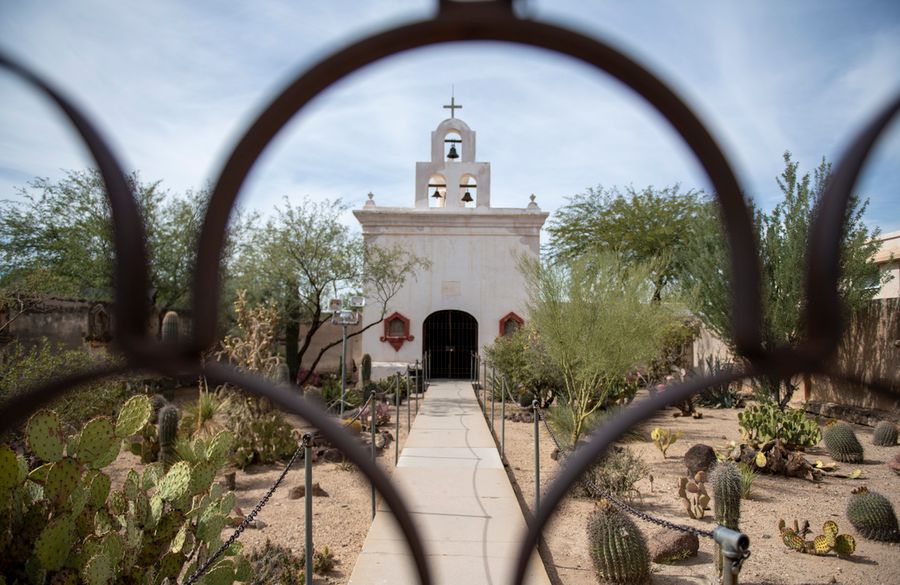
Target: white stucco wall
x: 473, y: 254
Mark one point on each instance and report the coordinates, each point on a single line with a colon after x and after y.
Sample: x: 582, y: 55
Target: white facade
x: 888, y: 260
x: 473, y: 250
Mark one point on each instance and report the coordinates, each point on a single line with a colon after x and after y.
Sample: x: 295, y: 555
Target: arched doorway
x: 450, y: 337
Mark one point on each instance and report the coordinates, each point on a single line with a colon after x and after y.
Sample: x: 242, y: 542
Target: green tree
x: 522, y: 358
x: 58, y: 238
x: 782, y: 237
x: 643, y: 226
x: 302, y: 257
x: 598, y: 322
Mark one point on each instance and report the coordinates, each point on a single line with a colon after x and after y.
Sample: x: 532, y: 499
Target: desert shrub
x: 764, y: 421
x: 616, y: 473
x: 748, y: 476
x: 23, y: 368
x: 719, y: 395
x: 521, y: 357
x: 275, y: 564
x: 261, y: 437
x: 560, y: 419
x: 673, y: 355
x: 206, y: 416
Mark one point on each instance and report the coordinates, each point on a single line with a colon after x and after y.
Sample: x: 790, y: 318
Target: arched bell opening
x: 449, y: 338
x: 468, y: 191
x: 453, y: 146
x: 437, y: 191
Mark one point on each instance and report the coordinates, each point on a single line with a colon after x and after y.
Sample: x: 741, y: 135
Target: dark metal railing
x: 461, y: 21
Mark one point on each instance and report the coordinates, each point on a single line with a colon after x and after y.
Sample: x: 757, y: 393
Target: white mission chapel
x: 473, y: 292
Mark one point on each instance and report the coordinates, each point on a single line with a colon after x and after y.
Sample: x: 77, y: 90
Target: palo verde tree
x: 598, y: 321
x: 303, y: 256
x: 641, y: 226
x: 782, y: 238
x: 58, y: 239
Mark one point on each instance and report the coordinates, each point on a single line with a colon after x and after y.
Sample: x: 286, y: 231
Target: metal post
x: 416, y: 378
x: 493, y: 381
x: 537, y: 457
x: 307, y: 459
x: 408, y: 399
x: 735, y: 548
x: 397, y: 414
x: 503, y: 417
x: 372, y: 414
x: 343, y: 368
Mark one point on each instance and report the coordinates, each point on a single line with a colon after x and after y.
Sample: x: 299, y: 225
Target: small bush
x: 617, y: 473
x: 719, y: 395
x: 277, y: 564
x: 748, y: 476
x: 22, y: 368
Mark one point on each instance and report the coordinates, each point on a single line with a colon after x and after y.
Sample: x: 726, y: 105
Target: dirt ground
x: 340, y: 521
x: 770, y: 562
x: 343, y: 518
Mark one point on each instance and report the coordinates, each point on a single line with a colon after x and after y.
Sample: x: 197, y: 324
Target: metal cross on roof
x: 452, y: 106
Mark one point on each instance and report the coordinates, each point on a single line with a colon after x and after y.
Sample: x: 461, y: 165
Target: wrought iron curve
x: 479, y: 21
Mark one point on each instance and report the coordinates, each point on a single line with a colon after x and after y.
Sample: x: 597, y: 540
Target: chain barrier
x: 248, y: 518
x: 307, y: 438
x: 597, y: 491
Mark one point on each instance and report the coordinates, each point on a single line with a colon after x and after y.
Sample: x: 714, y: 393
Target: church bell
x: 467, y: 197
x: 437, y: 194
x: 452, y: 154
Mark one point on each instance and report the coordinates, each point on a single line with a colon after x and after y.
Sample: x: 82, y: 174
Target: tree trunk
x: 291, y: 343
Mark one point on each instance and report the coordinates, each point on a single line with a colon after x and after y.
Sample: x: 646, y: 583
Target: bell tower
x: 452, y: 179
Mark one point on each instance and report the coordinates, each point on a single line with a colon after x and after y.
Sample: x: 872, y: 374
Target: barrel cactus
x: 842, y: 444
x: 872, y: 515
x: 168, y: 434
x: 618, y: 549
x: 885, y: 434
x: 726, y: 484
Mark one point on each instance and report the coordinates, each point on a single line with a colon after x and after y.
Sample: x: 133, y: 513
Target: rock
x: 299, y: 491
x: 332, y: 455
x: 699, y: 458
x: 381, y: 440
x: 669, y: 546
x: 894, y: 464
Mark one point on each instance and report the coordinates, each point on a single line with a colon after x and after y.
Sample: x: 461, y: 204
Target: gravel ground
x: 771, y: 562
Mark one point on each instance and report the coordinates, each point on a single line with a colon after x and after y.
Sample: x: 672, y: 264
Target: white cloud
x: 175, y: 84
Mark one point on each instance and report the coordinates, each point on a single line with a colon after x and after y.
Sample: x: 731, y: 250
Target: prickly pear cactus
x: 873, y: 516
x: 45, y: 436
x: 61, y: 524
x: 134, y: 416
x: 98, y: 446
x: 842, y: 444
x: 829, y: 540
x: 885, y: 434
x: 618, y: 549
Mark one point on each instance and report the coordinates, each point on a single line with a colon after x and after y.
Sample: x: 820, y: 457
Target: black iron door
x: 450, y: 337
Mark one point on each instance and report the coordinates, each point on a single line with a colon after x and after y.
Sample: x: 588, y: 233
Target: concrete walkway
x: 454, y: 484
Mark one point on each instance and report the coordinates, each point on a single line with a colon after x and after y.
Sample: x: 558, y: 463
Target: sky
x: 174, y: 84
